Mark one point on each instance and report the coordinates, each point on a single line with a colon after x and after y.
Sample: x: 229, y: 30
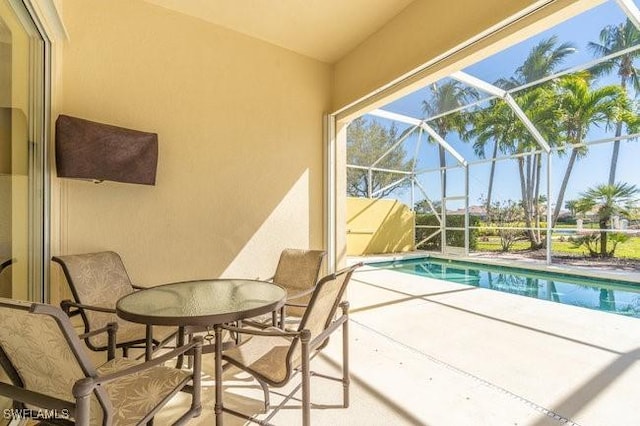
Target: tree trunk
x: 616, y: 144
x: 525, y: 199
x: 614, y: 155
x: 563, y: 187
x: 603, y: 237
x: 536, y: 200
x: 491, y: 174
x: 523, y: 188
x: 529, y: 180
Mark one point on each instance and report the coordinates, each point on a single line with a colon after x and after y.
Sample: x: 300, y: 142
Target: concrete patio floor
x: 430, y: 352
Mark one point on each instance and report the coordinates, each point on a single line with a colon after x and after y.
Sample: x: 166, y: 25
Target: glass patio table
x: 203, y: 303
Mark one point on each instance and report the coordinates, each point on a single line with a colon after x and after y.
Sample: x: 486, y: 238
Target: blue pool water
x: 619, y: 297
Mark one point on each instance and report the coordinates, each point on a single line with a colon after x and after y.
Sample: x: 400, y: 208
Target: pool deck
x: 431, y: 352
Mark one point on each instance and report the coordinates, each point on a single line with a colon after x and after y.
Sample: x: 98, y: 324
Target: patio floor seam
x: 531, y: 404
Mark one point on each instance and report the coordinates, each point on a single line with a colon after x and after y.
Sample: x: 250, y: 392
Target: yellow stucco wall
x: 239, y: 121
x: 378, y: 226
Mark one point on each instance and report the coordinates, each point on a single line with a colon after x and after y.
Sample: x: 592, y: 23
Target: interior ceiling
x: 322, y: 29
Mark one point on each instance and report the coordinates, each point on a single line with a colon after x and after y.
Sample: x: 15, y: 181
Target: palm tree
x: 614, y: 38
x: 572, y: 206
x: 581, y: 107
x: 446, y: 97
x: 510, y: 136
x: 543, y: 59
x: 540, y: 107
x: 500, y: 125
x: 610, y: 200
x: 495, y: 124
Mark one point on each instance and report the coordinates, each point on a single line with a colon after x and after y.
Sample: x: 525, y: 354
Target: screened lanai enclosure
x: 533, y: 151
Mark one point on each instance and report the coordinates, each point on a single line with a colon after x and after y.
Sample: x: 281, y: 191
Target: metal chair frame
x: 68, y: 307
x: 90, y: 385
x: 310, y: 346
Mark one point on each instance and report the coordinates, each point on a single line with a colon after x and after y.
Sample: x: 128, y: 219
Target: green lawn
x: 629, y: 250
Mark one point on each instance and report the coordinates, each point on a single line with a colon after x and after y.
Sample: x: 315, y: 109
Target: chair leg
x: 265, y: 391
x: 345, y: 363
x: 196, y: 403
x: 148, y: 346
x: 82, y: 410
x: 238, y: 337
x: 189, y: 362
x: 282, y: 318
x: 306, y: 399
x: 218, y: 405
x: 179, y: 343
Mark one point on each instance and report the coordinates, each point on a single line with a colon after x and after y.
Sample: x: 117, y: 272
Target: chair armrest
x: 276, y: 332
x: 320, y: 338
x: 91, y: 382
x: 111, y: 328
x: 267, y: 332
x: 257, y: 324
x: 66, y: 304
x: 5, y: 264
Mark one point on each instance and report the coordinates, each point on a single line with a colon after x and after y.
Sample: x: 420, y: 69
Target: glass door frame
x: 39, y: 131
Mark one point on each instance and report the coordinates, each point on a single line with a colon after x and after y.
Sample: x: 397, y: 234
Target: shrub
x: 567, y: 220
x: 592, y: 242
x: 454, y: 238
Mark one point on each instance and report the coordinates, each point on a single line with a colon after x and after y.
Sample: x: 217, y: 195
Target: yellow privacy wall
x: 378, y: 226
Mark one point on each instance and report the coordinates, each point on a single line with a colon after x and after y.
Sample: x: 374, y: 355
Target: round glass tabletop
x: 204, y: 302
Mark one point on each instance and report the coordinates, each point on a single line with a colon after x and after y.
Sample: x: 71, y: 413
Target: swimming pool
x: 617, y: 297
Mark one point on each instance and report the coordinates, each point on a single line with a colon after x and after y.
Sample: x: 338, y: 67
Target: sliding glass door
x: 23, y: 67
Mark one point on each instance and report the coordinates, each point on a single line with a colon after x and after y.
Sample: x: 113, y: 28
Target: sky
x: 589, y: 171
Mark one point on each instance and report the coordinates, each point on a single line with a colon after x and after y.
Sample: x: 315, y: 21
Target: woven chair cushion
x: 41, y: 355
x: 99, y: 279
x: 263, y: 355
x: 298, y: 270
x: 135, y: 395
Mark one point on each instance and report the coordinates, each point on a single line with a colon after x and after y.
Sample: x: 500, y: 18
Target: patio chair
x: 273, y: 355
x: 51, y: 373
x: 297, y: 272
x: 97, y: 281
